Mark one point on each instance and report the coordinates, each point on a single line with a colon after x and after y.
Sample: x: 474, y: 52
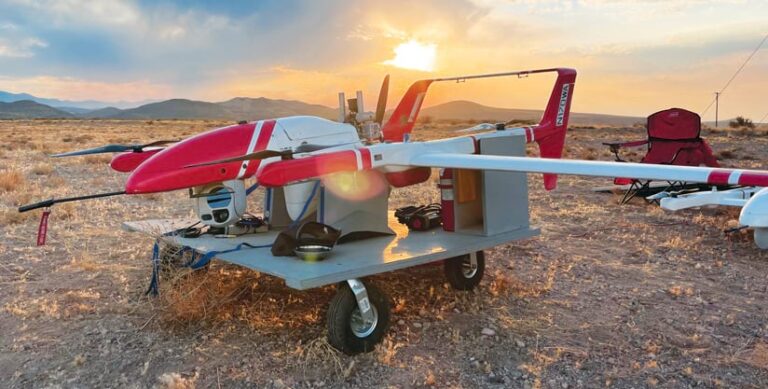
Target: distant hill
x: 101, y: 113
x: 73, y: 110
x: 174, y: 109
x: 25, y: 109
x: 76, y: 107
x: 467, y: 110
x: 262, y: 107
x: 241, y: 108
x: 245, y: 108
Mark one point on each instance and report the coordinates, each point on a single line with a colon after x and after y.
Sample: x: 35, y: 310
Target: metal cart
x: 359, y: 313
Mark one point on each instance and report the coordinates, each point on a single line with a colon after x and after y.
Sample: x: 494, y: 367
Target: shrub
x: 741, y: 122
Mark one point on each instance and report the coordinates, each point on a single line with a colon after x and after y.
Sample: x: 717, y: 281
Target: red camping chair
x: 673, y: 139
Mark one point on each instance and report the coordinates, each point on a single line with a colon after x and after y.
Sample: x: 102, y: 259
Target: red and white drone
x: 363, y: 160
x: 293, y: 152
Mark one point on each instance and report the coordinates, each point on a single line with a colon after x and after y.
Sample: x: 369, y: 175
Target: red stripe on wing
x: 285, y: 172
x: 365, y: 155
x: 753, y: 179
x: 719, y: 177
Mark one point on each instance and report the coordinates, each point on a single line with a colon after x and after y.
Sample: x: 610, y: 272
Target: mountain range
x: 244, y: 108
x: 74, y: 107
x: 471, y: 111
x: 26, y: 109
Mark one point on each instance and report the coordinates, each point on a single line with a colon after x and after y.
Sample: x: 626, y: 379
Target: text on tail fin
x: 550, y: 133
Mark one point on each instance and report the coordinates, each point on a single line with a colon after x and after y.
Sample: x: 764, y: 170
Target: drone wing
x: 712, y: 176
x: 420, y: 155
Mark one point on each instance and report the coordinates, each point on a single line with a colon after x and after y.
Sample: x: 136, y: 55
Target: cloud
x: 303, y: 49
x: 15, y: 43
x: 24, y: 48
x: 82, y: 12
x: 78, y: 89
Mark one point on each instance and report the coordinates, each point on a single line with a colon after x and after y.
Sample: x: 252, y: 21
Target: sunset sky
x: 633, y: 57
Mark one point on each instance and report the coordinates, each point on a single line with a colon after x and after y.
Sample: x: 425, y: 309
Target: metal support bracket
x: 469, y: 268
x: 473, y: 261
x: 361, y: 294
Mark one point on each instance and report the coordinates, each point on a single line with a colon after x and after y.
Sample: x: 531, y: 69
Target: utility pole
x: 717, y: 107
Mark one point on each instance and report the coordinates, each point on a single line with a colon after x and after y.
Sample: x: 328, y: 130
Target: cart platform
x: 347, y: 261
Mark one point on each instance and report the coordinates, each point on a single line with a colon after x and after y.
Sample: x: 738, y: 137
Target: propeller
x: 356, y: 110
x: 264, y: 154
x: 114, y: 148
x: 381, y: 107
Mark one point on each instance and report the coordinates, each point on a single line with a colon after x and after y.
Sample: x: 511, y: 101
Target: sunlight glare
x: 356, y: 186
x: 414, y: 55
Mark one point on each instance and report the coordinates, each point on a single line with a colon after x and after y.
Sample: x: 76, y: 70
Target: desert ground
x: 608, y: 296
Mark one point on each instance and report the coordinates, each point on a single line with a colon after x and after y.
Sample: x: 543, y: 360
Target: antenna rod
x: 519, y: 74
x: 342, y: 108
x: 50, y: 202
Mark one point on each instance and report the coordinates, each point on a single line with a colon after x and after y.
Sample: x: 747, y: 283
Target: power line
x: 737, y: 73
x: 763, y: 119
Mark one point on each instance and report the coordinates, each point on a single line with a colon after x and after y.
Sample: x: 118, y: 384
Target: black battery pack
x: 420, y: 218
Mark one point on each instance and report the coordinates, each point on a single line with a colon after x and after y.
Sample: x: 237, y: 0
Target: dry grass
x: 176, y: 381
x: 726, y: 154
x: 12, y: 216
x: 226, y: 293
x: 602, y: 289
x: 98, y: 159
x: 11, y: 180
x: 319, y: 354
x: 757, y: 356
x: 42, y: 169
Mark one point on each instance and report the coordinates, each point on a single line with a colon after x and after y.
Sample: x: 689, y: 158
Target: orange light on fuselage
x: 356, y: 186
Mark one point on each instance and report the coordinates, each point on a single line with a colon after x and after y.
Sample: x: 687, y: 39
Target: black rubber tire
x: 340, y: 311
x: 455, y: 273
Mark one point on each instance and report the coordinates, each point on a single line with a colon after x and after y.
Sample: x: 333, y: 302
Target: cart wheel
x: 347, y: 330
x: 466, y: 271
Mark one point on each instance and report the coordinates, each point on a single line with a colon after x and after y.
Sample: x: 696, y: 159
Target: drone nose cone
x: 169, y: 169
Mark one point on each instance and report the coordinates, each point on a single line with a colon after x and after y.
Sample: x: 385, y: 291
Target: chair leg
x: 631, y: 192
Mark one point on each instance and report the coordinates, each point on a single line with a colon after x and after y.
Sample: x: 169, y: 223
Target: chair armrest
x: 615, y: 146
x: 634, y: 143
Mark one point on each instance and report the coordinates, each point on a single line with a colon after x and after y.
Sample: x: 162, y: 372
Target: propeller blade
x: 264, y: 154
x: 381, y: 107
x: 96, y: 150
x: 114, y: 148
x: 479, y: 127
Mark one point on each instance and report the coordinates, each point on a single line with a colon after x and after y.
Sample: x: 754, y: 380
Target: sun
x: 414, y: 55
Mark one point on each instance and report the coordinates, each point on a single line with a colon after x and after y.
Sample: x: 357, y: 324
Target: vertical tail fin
x: 404, y: 117
x: 550, y: 133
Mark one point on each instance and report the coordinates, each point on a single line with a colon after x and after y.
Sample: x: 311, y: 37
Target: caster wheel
x: 348, y: 331
x: 466, y: 271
